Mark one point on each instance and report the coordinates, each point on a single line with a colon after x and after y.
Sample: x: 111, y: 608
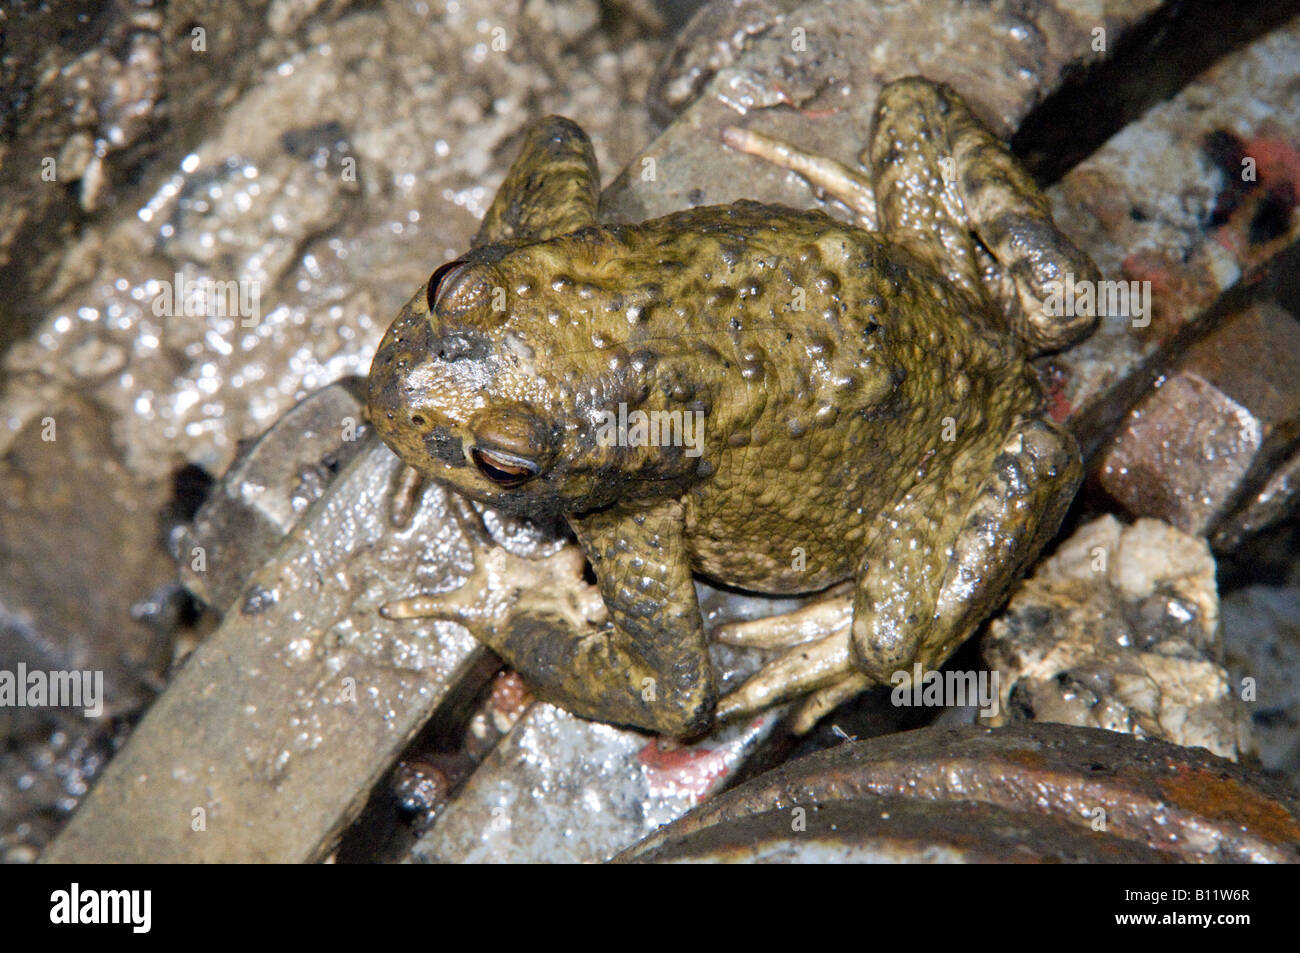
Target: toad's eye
x: 438, y: 279
x: 502, y: 470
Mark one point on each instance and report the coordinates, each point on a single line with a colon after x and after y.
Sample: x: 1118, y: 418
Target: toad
x: 818, y: 404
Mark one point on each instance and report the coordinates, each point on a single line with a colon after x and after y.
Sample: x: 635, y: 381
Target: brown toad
x: 866, y: 407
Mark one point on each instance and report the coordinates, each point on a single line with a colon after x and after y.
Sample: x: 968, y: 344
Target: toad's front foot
x: 618, y: 654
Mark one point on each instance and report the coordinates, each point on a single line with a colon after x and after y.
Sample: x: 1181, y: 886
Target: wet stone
x: 1120, y: 630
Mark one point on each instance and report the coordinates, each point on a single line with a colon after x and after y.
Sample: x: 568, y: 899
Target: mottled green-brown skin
x: 866, y: 414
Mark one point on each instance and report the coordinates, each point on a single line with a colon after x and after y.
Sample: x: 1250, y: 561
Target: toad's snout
x: 423, y: 383
x: 392, y: 394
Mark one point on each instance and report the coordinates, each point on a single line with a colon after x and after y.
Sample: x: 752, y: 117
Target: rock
x: 1261, y: 626
x: 1120, y: 630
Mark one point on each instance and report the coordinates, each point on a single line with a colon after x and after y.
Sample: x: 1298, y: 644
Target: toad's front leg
x: 649, y: 665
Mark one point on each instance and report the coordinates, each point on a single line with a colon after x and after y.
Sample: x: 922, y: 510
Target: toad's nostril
x: 461, y: 345
x: 418, y: 420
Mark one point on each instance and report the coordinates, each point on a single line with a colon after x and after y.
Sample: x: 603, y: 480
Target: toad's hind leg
x: 944, y: 187
x: 945, y: 558
x: 933, y: 580
x: 940, y: 176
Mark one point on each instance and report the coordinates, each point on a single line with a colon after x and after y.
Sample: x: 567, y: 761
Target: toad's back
x: 825, y: 361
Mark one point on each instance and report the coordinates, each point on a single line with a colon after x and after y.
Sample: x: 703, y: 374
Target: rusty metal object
x: 897, y: 830
x: 1192, y: 451
x: 1141, y: 796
